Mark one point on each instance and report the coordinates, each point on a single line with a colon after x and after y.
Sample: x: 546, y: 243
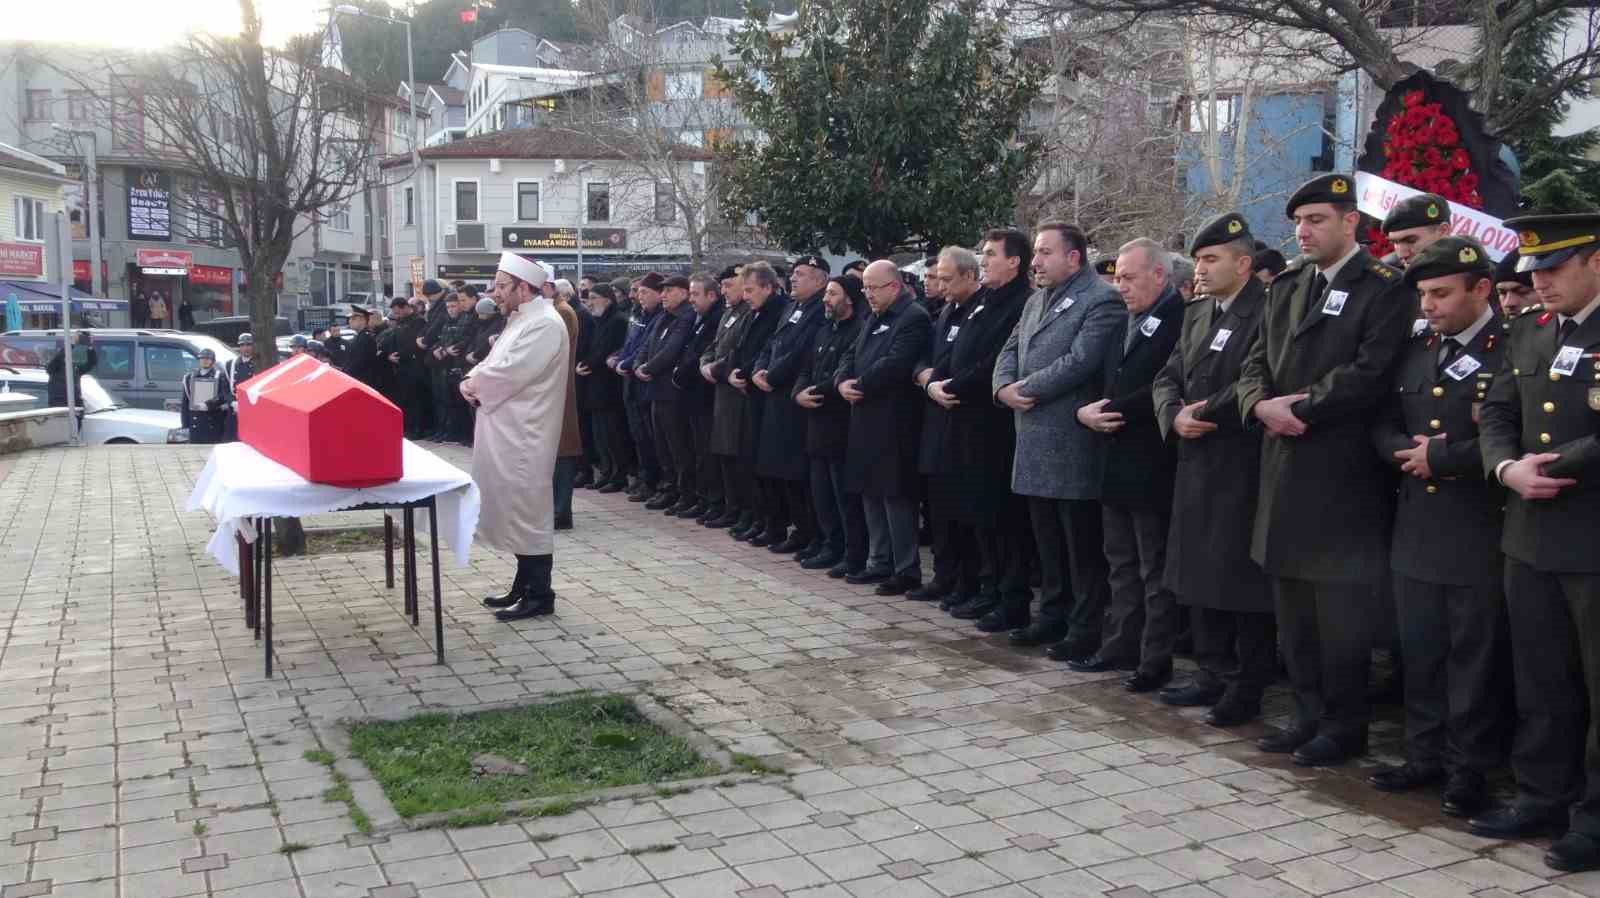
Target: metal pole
x: 581, y: 213
x: 418, y: 181
x: 92, y: 223
x: 69, y: 366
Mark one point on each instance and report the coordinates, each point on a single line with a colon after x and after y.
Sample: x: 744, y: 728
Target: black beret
x: 816, y: 262
x: 732, y: 271
x: 1448, y: 255
x: 1268, y: 259
x: 1225, y: 228
x: 676, y: 280
x: 1330, y: 188
x: 1505, y: 271
x: 1548, y: 240
x: 1106, y: 266
x: 1418, y: 211
x: 653, y: 280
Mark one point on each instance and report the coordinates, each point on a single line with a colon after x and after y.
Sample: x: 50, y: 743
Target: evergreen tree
x: 1557, y: 175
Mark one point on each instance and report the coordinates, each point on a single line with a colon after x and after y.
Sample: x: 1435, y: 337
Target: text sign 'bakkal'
x: 600, y: 239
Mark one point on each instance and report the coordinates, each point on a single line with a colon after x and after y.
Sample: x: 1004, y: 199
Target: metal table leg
x: 438, y: 606
x: 258, y: 550
x: 388, y: 550
x: 266, y: 594
x: 411, y: 564
x: 246, y: 574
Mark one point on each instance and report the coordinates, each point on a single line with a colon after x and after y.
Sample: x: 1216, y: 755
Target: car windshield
x: 97, y: 398
x: 203, y: 341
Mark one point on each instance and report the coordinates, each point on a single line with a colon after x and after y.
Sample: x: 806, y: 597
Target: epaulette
x: 1536, y: 307
x: 1384, y: 271
x: 1293, y: 265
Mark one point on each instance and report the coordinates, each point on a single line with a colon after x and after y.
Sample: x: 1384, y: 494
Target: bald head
x: 881, y: 280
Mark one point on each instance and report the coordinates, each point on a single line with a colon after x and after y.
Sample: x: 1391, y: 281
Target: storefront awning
x: 36, y: 296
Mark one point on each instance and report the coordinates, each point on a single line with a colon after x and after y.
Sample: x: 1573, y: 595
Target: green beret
x: 1417, y: 212
x: 1449, y: 255
x: 1225, y: 228
x: 1330, y: 188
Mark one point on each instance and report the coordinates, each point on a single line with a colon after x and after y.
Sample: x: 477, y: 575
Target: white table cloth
x: 239, y: 484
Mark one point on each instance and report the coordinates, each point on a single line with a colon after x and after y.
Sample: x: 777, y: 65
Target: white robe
x: 522, y: 393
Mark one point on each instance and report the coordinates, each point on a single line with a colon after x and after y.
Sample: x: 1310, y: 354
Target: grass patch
x: 486, y: 817
x: 752, y: 764
x: 318, y: 756
x: 658, y: 848
x: 571, y: 745
x: 343, y: 540
x: 292, y: 847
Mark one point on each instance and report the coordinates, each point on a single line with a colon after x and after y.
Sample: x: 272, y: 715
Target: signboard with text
x: 22, y: 260
x: 596, y: 239
x: 149, y: 205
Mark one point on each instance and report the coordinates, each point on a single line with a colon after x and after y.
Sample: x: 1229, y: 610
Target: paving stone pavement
x: 143, y: 754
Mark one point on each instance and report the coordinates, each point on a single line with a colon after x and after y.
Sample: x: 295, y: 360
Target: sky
x: 153, y: 23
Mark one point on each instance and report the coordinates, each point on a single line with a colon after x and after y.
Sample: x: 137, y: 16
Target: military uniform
x: 1445, y: 554
x: 1215, y: 487
x: 1546, y: 398
x: 1322, y: 516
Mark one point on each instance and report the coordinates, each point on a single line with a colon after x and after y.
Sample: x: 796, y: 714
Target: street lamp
x: 417, y: 181
x: 91, y: 226
x: 583, y: 211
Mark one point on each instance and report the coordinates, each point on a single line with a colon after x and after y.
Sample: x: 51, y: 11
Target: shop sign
x: 149, y: 205
x: 22, y: 260
x: 597, y: 239
x: 211, y: 276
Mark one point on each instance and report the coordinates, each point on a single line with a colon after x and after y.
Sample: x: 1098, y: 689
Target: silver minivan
x: 143, y: 366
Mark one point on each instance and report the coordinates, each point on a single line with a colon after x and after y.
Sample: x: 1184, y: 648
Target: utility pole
x: 91, y: 216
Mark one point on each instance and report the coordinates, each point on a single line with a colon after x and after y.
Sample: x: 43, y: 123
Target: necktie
x: 1133, y: 331
x: 1448, y: 352
x: 1565, y: 332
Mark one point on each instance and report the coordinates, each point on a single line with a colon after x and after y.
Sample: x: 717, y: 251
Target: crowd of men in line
x: 1275, y: 461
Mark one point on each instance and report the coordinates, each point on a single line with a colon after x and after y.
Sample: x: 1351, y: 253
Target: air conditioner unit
x: 467, y: 236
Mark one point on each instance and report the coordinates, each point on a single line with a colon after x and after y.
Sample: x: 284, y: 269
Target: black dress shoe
x: 1096, y: 664
x: 662, y: 501
x: 822, y: 561
x: 1515, y: 822
x: 806, y: 554
x: 640, y: 495
x: 504, y: 601
x: 708, y: 514
x: 897, y: 585
x: 582, y: 481
x: 955, y: 600
x: 931, y: 591
x: 609, y: 487
x: 1407, y: 776
x: 1465, y: 794
x: 563, y: 522
x: 528, y: 607
x: 1192, y: 694
x: 763, y: 538
x: 1142, y: 681
x: 1003, y: 620
x: 1069, y: 650
x: 842, y: 571
x: 1574, y: 852
x: 791, y: 545
x: 1326, y: 751
x: 1232, y: 713
x: 687, y: 510
x: 1285, y: 741
x: 864, y: 577
x: 976, y: 609
x: 1038, y: 634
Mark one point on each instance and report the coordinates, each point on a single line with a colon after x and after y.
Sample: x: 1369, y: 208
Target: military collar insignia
x: 1544, y: 319
x: 1382, y: 270
x: 1488, y: 343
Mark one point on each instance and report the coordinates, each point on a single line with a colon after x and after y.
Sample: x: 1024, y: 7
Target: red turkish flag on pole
x: 468, y: 16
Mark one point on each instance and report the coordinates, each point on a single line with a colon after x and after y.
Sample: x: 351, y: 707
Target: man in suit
x: 1445, y: 557
x: 1414, y: 224
x: 885, y: 416
x: 1540, y: 436
x: 981, y: 441
x: 728, y: 406
x: 1216, y: 482
x: 1331, y: 330
x: 635, y: 392
x: 1143, y: 621
x: 1052, y: 364
x: 839, y: 515
x: 763, y: 291
x: 605, y: 389
x: 781, y: 457
x: 698, y: 397
x: 663, y: 346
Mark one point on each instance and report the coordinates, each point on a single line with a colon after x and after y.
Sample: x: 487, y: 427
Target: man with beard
x: 839, y: 516
x: 781, y: 454
x: 728, y: 407
x: 698, y: 398
x: 663, y: 347
x: 1330, y: 331
x: 1218, y: 476
x: 1052, y: 364
x: 763, y: 289
x: 605, y: 389
x: 885, y: 416
x: 981, y: 439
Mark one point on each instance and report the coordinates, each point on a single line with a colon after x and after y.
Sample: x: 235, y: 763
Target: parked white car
x: 106, y: 418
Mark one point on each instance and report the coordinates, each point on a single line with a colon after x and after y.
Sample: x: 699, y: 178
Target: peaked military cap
x: 1106, y: 266
x: 1505, y: 271
x: 815, y: 261
x: 1449, y: 255
x: 1333, y: 188
x: 1418, y: 211
x: 1548, y: 240
x: 1225, y: 228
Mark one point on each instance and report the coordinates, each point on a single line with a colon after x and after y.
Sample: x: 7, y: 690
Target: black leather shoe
x: 1232, y: 713
x: 931, y: 591
x: 1096, y: 664
x: 708, y: 514
x: 528, y: 608
x: 1285, y: 741
x: 610, y: 486
x: 822, y: 561
x: 662, y: 501
x: 1326, y: 751
x: 842, y: 571
x: 977, y: 609
x: 763, y: 538
x: 641, y: 495
x: 865, y: 577
x: 563, y: 522
x: 1193, y: 694
x: 1002, y: 620
x: 897, y: 585
x: 687, y: 510
x: 1515, y: 822
x: 1148, y: 682
x: 789, y: 546
x: 1407, y: 776
x: 806, y: 554
x: 1465, y: 794
x: 582, y: 482
x: 1038, y: 634
x: 504, y: 601
x: 723, y: 520
x: 1574, y: 852
x: 955, y: 600
x: 1068, y: 650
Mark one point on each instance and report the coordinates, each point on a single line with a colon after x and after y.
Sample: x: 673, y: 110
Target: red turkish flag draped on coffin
x: 321, y: 423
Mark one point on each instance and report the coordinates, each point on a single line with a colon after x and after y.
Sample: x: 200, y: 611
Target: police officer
x: 1413, y: 224
x: 237, y: 370
x: 1330, y: 331
x: 1445, y: 555
x: 205, y: 418
x: 361, y: 350
x: 1541, y: 440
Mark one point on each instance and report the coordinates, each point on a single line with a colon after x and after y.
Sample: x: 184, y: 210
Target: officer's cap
x: 815, y: 261
x: 1505, y: 271
x: 1418, y: 211
x: 1449, y: 255
x: 1106, y: 266
x: 1225, y: 228
x: 246, y: 339
x: 1548, y: 240
x: 208, y: 353
x: 315, y: 347
x: 399, y: 302
x: 298, y: 340
x: 1332, y: 188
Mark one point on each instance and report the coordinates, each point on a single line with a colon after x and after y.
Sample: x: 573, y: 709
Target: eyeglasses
x: 881, y: 286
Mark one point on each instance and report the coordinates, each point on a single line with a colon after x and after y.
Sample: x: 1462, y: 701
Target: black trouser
x: 1454, y: 640
x: 840, y: 520
x: 675, y: 445
x: 708, y: 474
x: 458, y: 414
x: 955, y: 549
x: 1326, y: 633
x: 738, y: 485
x: 416, y: 402
x: 611, y: 442
x: 644, y: 442
x: 591, y: 448
x: 1144, y: 619
x: 784, y: 503
x: 1236, y: 649
x: 1005, y: 548
x: 439, y: 390
x: 1555, y: 650
x: 1072, y: 568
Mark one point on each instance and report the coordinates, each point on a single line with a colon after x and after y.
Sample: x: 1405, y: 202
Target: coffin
x: 322, y: 424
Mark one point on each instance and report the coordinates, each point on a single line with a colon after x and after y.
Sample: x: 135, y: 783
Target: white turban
x: 523, y: 269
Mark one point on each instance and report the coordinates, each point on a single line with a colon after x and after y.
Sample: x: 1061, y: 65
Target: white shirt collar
x: 1584, y: 314
x: 1332, y: 271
